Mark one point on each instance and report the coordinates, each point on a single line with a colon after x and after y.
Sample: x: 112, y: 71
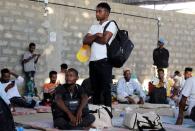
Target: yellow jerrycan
x: 84, y: 53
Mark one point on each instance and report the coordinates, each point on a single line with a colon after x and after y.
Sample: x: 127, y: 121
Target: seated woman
x: 49, y: 89
x: 69, y: 109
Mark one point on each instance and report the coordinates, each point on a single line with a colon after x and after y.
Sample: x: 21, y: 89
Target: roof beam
x: 142, y: 2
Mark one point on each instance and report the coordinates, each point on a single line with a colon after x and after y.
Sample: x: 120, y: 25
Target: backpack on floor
x: 192, y: 115
x: 140, y: 122
x: 103, y: 116
x: 120, y: 48
x: 6, y: 118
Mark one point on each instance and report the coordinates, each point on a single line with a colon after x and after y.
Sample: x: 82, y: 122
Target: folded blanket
x: 23, y: 111
x: 43, y: 109
x: 154, y: 106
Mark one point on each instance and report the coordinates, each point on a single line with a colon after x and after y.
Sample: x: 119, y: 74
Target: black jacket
x: 161, y: 57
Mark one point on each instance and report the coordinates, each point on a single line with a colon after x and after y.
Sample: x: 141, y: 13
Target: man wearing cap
x: 128, y: 90
x: 161, y: 56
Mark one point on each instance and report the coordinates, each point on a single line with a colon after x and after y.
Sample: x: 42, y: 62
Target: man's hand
x: 73, y: 119
x: 13, y: 74
x: 9, y: 86
x: 79, y: 117
x: 130, y: 100
x: 34, y: 55
x: 141, y: 101
x: 38, y: 55
x: 99, y: 34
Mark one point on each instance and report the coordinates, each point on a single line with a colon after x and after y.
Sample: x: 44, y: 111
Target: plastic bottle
x: 83, y: 54
x: 118, y: 122
x: 19, y: 129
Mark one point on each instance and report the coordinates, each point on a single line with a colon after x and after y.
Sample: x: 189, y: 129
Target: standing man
x: 29, y: 62
x: 187, y: 74
x: 100, y: 70
x: 188, y: 98
x: 161, y: 56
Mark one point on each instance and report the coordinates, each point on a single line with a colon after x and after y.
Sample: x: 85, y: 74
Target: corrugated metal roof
x: 141, y: 2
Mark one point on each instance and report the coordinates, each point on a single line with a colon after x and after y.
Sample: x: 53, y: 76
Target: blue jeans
x: 30, y: 83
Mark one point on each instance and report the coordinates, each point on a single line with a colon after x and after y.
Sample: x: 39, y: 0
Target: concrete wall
x: 22, y: 21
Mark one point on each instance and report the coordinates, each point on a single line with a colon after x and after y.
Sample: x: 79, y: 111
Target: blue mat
x: 188, y: 123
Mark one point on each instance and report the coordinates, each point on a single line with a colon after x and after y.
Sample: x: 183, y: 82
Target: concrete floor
x: 116, y: 112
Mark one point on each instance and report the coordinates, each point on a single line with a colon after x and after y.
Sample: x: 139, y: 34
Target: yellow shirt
x: 167, y: 84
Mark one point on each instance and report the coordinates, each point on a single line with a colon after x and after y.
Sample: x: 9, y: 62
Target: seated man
x: 161, y: 90
x: 49, y: 89
x: 127, y: 87
x: 61, y: 75
x: 188, y: 93
x: 3, y: 95
x: 176, y: 95
x: 70, y: 109
x: 10, y: 87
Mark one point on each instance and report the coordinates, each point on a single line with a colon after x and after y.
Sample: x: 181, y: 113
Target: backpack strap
x: 106, y: 26
x: 108, y: 111
x: 98, y: 111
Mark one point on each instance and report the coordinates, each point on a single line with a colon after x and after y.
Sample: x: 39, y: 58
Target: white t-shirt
x: 129, y: 88
x: 61, y: 78
x: 189, y: 91
x: 13, y: 92
x: 30, y: 65
x: 99, y: 51
x: 3, y: 94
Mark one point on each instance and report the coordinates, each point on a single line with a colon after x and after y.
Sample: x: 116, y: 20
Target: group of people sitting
x: 69, y: 101
x: 178, y: 91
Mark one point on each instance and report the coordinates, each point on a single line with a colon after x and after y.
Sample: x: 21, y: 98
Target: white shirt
x: 30, y: 65
x: 129, y: 88
x: 189, y: 91
x: 99, y: 51
x: 61, y: 78
x: 3, y: 94
x: 13, y: 92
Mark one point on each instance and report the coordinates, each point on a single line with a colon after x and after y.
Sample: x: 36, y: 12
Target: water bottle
x: 29, y: 98
x: 19, y: 129
x: 118, y: 122
x: 122, y: 114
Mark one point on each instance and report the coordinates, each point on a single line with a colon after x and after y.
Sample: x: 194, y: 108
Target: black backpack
x: 6, y: 118
x: 120, y: 48
x: 192, y: 115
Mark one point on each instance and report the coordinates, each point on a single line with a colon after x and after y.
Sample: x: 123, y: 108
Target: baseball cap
x: 161, y: 41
